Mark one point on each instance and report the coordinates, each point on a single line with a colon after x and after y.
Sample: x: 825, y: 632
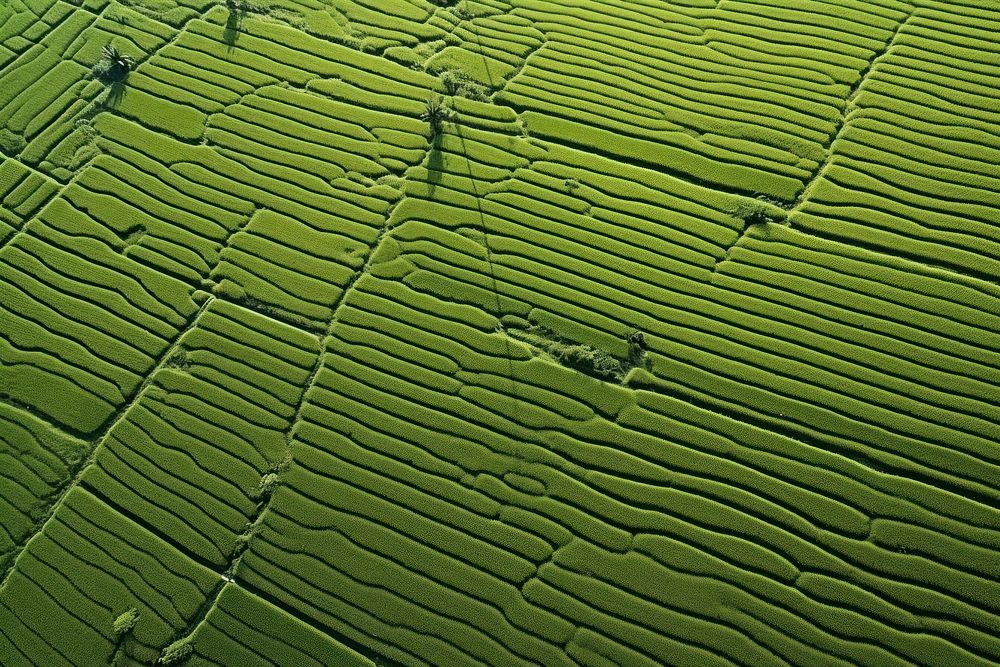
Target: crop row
x: 23, y: 192
x: 474, y: 490
x: 797, y: 468
x: 486, y: 42
x: 321, y: 185
x: 85, y: 324
x: 161, y: 219
x: 300, y: 264
x: 189, y: 457
x: 42, y: 88
x: 179, y: 221
x: 288, y: 55
x: 593, y: 288
x: 191, y: 463
x: 46, y: 88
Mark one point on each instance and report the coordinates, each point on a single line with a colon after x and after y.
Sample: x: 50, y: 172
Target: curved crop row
x: 89, y: 324
x: 913, y: 171
x: 480, y: 464
x: 682, y: 99
x: 37, y: 460
x: 23, y: 193
x: 90, y: 565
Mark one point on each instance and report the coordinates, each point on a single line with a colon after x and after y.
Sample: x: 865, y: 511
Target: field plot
x: 243, y: 629
x: 37, y: 461
x: 476, y: 491
x: 24, y: 193
x: 916, y: 177
x: 499, y: 332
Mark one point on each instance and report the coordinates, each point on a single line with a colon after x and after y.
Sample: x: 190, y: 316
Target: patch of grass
x: 125, y: 622
x: 176, y: 652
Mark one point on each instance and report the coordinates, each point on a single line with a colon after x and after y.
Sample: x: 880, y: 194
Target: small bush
x: 10, y: 143
x: 267, y: 485
x: 584, y: 358
x: 256, y: 304
x: 591, y: 361
x: 179, y: 359
x: 241, y: 7
x: 636, y: 347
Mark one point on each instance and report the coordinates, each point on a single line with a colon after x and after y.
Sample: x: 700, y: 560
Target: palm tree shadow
x: 116, y: 93
x: 499, y: 312
x: 234, y: 24
x: 435, y: 164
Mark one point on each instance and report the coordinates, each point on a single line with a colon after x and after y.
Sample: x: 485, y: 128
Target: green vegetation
x: 757, y: 212
x: 499, y: 332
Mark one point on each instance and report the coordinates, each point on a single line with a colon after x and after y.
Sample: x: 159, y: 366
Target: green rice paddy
x: 499, y: 332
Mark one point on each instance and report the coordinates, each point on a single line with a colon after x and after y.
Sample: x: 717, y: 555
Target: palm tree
x: 114, y: 66
x: 436, y: 114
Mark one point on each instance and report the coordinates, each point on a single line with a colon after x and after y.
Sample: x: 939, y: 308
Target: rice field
x: 499, y: 332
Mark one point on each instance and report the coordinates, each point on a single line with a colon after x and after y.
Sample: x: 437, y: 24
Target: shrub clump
x: 758, y: 212
x: 457, y: 83
x: 254, y: 303
x: 10, y: 143
x: 268, y: 483
x: 125, y: 622
x: 179, y: 359
x: 177, y: 652
x: 584, y: 358
x: 591, y: 361
x: 243, y: 7
x: 636, y: 347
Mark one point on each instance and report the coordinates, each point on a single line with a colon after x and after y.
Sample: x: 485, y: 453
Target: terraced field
x: 499, y: 332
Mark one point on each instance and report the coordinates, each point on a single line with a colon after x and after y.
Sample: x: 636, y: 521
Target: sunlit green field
x: 499, y: 332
